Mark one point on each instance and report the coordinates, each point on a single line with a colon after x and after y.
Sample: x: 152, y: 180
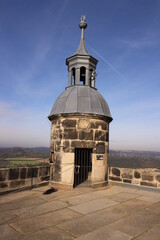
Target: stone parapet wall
x: 15, y: 178
x: 144, y: 177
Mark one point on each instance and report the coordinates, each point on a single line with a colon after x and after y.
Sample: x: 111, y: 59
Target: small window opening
x: 73, y: 76
x: 82, y: 75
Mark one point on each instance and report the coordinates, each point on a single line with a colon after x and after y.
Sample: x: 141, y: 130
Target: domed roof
x: 80, y: 99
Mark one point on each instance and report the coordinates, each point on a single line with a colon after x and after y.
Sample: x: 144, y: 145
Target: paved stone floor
x: 113, y: 212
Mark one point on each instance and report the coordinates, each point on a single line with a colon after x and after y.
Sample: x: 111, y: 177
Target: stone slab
x: 40, y: 189
x: 20, y: 203
x: 6, y: 217
x: 93, y: 206
x: 45, y: 220
x: 123, y: 196
x: 21, y: 211
x: 85, y: 224
x: 155, y: 208
x: 8, y: 233
x: 149, y: 192
x: 151, y: 234
x: 15, y: 196
x: 126, y: 188
x: 119, y: 211
x: 105, y: 233
x: 109, y: 191
x: 81, y: 198
x: 136, y: 205
x: 43, y: 208
x: 151, y: 199
x: 60, y: 194
x: 137, y: 223
x: 52, y: 233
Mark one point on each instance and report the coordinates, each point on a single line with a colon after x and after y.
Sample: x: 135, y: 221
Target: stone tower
x: 80, y: 120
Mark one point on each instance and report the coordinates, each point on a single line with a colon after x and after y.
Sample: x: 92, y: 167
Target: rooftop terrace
x: 113, y: 212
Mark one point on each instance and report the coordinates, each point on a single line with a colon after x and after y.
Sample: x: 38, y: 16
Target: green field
x: 20, y: 162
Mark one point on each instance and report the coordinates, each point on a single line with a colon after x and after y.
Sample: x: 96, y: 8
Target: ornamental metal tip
x: 83, y: 23
x: 83, y: 18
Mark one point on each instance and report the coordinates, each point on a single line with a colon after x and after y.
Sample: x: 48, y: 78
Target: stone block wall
x: 67, y: 133
x: 78, y: 131
x: 144, y: 177
x: 13, y: 178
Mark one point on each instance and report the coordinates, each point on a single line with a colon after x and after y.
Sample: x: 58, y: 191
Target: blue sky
x: 36, y: 37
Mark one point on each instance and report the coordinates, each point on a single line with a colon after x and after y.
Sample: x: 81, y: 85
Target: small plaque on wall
x: 99, y: 157
x: 100, y: 148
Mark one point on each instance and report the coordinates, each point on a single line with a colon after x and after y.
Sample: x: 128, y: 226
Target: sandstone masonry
x: 145, y: 177
x: 16, y: 178
x: 80, y: 131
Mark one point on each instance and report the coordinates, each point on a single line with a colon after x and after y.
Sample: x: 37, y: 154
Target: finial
x: 83, y: 23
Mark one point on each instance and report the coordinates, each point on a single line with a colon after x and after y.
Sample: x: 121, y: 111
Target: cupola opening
x: 73, y: 76
x: 82, y: 75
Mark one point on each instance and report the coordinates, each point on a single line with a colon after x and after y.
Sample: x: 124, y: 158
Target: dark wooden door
x: 82, y: 165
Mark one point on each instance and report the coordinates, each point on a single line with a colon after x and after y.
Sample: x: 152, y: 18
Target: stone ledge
x: 100, y: 184
x: 3, y: 192
x: 134, y: 186
x: 147, y: 177
x: 61, y: 186
x: 148, y: 184
x: 17, y: 178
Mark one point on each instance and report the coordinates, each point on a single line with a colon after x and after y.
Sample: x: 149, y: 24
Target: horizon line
x: 116, y: 150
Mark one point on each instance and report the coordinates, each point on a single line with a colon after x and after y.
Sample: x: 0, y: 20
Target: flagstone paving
x: 114, y: 212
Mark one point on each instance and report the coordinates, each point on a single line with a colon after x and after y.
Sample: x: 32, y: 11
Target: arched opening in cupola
x: 82, y: 75
x: 73, y: 76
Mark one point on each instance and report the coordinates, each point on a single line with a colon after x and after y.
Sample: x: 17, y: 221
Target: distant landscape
x: 134, y: 159
x: 18, y: 156
x: 36, y: 152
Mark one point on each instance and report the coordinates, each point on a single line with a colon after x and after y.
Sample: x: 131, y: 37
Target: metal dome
x: 80, y: 99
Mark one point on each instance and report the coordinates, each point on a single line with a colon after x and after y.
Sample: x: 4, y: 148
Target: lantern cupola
x: 81, y: 65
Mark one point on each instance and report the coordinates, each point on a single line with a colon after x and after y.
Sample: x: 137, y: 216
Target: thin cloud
x: 145, y: 105
x: 111, y: 66
x: 9, y: 111
x: 142, y: 39
x: 139, y: 44
x: 23, y: 127
x: 5, y: 109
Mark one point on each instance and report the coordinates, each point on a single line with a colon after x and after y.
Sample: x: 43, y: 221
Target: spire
x: 81, y: 65
x: 82, y: 47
